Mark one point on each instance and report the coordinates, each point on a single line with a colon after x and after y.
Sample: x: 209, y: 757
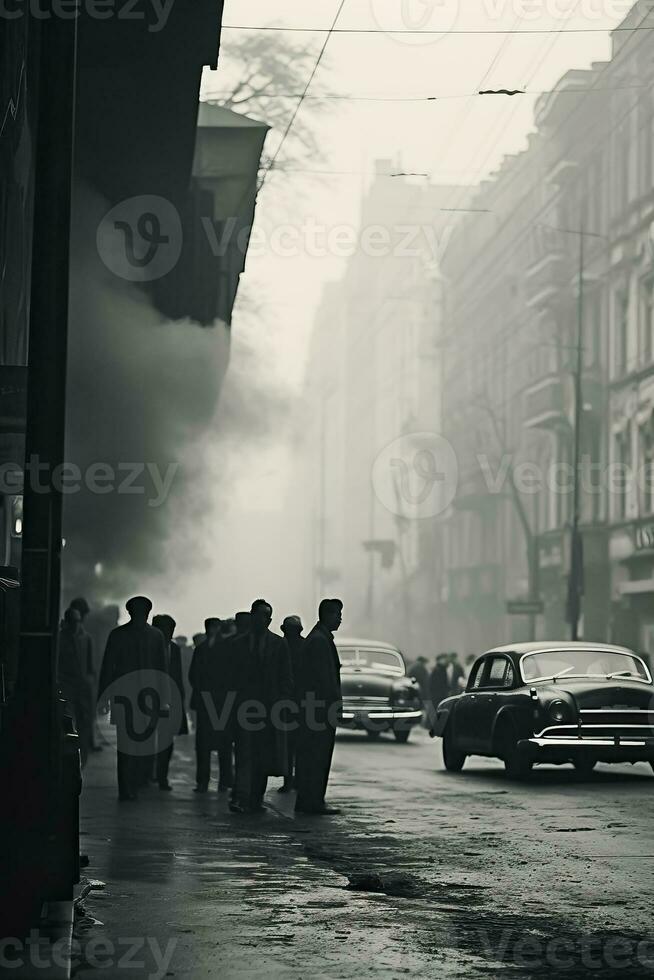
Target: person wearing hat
x: 292, y: 631
x: 134, y: 675
x: 210, y: 679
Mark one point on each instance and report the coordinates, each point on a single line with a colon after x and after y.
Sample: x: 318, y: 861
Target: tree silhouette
x: 265, y: 78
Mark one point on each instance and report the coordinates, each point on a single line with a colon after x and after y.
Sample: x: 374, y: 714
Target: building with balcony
x: 512, y: 311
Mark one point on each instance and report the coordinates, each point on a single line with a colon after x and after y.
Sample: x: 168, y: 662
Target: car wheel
x: 453, y: 758
x: 401, y: 734
x: 516, y: 761
x: 584, y: 766
x: 372, y: 733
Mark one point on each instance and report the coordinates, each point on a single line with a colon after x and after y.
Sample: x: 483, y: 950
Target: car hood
x: 596, y: 693
x: 367, y: 683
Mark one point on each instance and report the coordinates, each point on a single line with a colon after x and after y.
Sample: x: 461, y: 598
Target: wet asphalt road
x: 483, y: 877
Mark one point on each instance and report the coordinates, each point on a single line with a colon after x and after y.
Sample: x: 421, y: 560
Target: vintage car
x: 377, y: 694
x: 575, y: 702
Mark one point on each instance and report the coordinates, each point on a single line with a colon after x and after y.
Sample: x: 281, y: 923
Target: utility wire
x: 294, y: 115
x: 389, y: 31
x: 342, y: 97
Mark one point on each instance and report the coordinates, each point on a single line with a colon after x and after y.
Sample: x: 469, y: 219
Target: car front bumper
x: 379, y: 719
x: 614, y: 748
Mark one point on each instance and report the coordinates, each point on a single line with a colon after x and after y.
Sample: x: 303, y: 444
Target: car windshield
x: 384, y: 660
x: 590, y: 663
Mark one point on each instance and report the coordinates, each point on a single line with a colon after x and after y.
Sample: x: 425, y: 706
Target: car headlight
x: 559, y: 711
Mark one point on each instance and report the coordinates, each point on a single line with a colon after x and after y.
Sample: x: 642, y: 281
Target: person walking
x: 72, y: 680
x: 210, y: 677
x: 319, y: 686
x: 456, y: 674
x: 87, y: 658
x: 292, y: 632
x: 168, y: 729
x: 134, y: 665
x: 264, y: 685
x: 439, y: 685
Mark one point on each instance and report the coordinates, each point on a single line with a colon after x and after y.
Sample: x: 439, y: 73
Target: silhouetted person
x: 455, y: 674
x: 71, y: 678
x: 242, y: 623
x: 292, y: 632
x: 319, y: 684
x: 135, y: 656
x: 165, y: 732
x: 264, y: 683
x: 87, y: 658
x: 228, y: 628
x: 439, y: 684
x: 210, y: 676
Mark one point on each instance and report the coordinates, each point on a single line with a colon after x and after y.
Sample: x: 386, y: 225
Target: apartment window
x: 620, y: 330
x: 646, y: 466
x: 646, y: 325
x: 645, y: 146
x: 620, y: 483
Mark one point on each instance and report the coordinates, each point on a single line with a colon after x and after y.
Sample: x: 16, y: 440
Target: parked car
x: 377, y: 694
x: 551, y: 702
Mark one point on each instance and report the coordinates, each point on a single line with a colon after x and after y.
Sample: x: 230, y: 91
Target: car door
x: 466, y: 720
x: 496, y: 679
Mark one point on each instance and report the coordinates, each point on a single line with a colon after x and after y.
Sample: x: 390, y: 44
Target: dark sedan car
x: 377, y: 694
x: 551, y: 702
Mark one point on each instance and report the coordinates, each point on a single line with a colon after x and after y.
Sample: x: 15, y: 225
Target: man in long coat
x: 168, y: 726
x: 210, y: 677
x: 264, y: 691
x: 134, y: 676
x: 319, y: 684
x: 292, y: 631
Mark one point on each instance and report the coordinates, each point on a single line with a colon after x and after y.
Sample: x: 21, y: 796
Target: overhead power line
x: 294, y: 115
x: 430, y: 33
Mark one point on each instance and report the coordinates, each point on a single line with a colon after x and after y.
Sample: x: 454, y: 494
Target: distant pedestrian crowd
x: 446, y: 677
x: 268, y: 704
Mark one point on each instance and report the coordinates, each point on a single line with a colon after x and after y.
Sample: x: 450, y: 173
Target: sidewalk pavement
x: 191, y: 890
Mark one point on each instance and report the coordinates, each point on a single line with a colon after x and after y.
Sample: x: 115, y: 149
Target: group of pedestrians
x: 446, y: 677
x: 266, y: 703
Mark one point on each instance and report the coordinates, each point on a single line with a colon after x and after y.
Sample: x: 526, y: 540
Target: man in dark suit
x: 165, y: 733
x: 134, y: 666
x: 264, y: 690
x: 292, y: 631
x: 210, y: 676
x: 319, y: 684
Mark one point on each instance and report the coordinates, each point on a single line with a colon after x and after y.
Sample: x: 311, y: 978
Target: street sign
x: 524, y: 607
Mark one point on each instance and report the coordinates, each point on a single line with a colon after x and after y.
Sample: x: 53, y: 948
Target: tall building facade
x: 373, y: 379
x: 574, y: 209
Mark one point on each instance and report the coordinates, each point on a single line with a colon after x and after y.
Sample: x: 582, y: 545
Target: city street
x: 479, y: 876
